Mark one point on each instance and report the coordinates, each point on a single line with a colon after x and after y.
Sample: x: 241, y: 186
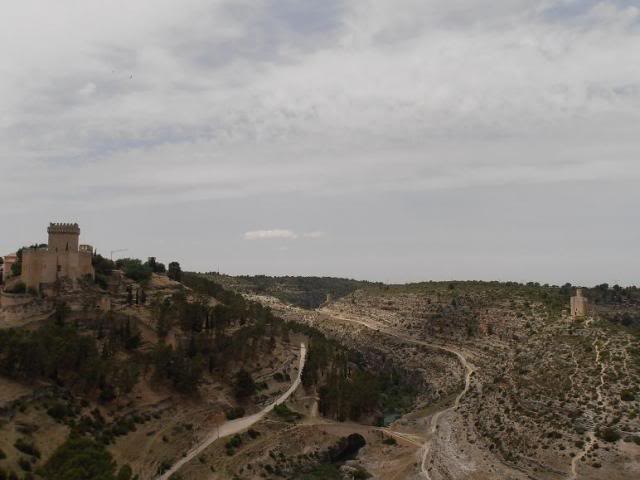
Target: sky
x: 393, y: 141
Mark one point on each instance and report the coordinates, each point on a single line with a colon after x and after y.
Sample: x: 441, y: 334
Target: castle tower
x: 579, y: 305
x: 63, y: 237
x: 63, y: 258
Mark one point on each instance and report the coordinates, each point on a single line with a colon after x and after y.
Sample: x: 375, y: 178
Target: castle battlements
x: 85, y: 248
x: 61, y: 258
x: 69, y: 228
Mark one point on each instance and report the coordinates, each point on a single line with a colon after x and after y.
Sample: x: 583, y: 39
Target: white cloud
x: 241, y: 98
x: 313, y: 234
x: 270, y: 235
x: 280, y: 234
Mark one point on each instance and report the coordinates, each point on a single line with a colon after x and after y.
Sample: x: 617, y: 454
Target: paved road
x: 238, y: 425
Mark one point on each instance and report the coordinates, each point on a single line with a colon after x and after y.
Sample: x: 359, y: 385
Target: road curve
x: 238, y: 425
x: 436, y: 416
x: 434, y: 421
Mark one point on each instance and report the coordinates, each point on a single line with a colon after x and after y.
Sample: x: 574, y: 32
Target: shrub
x: 80, y: 458
x: 27, y: 447
x: 234, y: 413
x: 608, y: 434
x: 244, y: 386
x: 24, y: 464
x: 59, y: 411
x: 286, y: 413
x: 627, y: 396
x: 19, y: 287
x: 134, y: 269
x: 234, y: 442
x: 125, y: 473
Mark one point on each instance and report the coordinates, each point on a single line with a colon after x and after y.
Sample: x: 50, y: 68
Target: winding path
x: 434, y: 421
x: 591, y: 434
x: 238, y: 425
x: 426, y: 447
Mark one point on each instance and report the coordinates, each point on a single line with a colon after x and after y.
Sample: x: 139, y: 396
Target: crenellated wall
x: 62, y: 258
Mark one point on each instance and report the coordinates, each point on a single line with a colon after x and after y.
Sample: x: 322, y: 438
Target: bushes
x: 184, y: 371
x: 58, y: 353
x: 608, y: 434
x: 627, y: 396
x: 27, y: 447
x: 174, y: 272
x: 125, y: 473
x: 80, y: 459
x: 24, y: 464
x: 19, y: 287
x: 244, y: 386
x: 234, y: 413
x: 286, y: 413
x: 134, y: 269
x: 103, y: 268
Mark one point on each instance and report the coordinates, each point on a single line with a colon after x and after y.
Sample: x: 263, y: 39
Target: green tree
x: 174, y: 272
x: 244, y: 386
x: 80, y: 458
x: 134, y: 269
x: 125, y: 473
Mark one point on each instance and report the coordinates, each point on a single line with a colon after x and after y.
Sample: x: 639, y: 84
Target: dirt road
x: 469, y: 369
x: 238, y: 425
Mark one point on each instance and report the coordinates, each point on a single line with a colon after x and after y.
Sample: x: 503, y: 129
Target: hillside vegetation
x: 305, y: 292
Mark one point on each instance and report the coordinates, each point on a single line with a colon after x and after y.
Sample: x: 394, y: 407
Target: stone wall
x: 62, y: 258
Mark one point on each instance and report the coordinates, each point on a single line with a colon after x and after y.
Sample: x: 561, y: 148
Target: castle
x: 579, y: 305
x: 62, y: 257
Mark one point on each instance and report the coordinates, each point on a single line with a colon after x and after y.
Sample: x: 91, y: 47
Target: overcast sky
x: 387, y: 140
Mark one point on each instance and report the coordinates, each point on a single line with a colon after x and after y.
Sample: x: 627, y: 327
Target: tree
x: 244, y: 386
x: 80, y: 458
x: 61, y: 313
x: 134, y: 269
x: 125, y: 473
x: 155, y: 266
x: 161, y: 310
x: 174, y: 272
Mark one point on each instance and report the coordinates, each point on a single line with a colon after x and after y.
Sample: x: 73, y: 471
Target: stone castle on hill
x: 62, y: 258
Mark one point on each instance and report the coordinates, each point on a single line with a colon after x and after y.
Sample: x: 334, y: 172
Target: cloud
x: 270, y: 235
x: 313, y: 235
x: 280, y: 234
x: 117, y: 107
x: 240, y: 98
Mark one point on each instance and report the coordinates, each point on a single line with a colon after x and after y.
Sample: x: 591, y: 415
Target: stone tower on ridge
x: 579, y: 305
